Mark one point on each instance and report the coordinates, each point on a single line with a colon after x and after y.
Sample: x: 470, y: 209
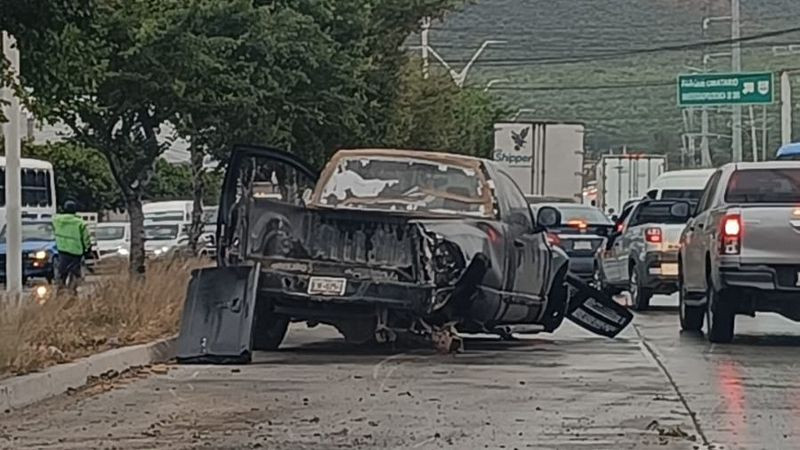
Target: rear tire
x: 691, y: 316
x: 269, y: 328
x: 721, y: 318
x: 640, y: 296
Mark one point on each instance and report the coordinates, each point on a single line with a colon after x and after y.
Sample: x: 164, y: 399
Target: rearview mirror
x: 680, y: 210
x: 548, y: 217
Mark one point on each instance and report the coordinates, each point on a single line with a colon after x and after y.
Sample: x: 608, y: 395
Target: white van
x: 174, y: 211
x: 680, y: 185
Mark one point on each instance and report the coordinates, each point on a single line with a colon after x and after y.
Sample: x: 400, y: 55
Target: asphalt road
x: 650, y: 388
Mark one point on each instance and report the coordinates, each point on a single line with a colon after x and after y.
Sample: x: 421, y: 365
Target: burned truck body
x: 383, y: 244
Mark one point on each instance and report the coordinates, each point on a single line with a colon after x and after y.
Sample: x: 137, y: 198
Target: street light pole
x: 11, y: 131
x: 426, y: 29
x: 736, y: 59
x: 459, y: 78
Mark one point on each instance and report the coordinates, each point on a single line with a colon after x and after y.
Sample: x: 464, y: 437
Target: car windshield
x: 210, y: 216
x: 161, y: 232
x: 764, y: 186
x: 405, y: 184
x: 655, y: 212
x: 32, y: 232
x: 682, y: 194
x: 109, y: 233
x: 585, y: 214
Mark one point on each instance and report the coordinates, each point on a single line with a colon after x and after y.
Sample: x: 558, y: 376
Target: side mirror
x: 680, y: 211
x: 614, y: 218
x: 548, y: 217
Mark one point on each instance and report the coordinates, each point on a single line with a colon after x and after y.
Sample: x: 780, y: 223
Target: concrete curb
x: 27, y: 389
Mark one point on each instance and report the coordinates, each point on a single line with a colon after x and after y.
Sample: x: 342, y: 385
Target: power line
x: 699, y: 45
x: 645, y: 84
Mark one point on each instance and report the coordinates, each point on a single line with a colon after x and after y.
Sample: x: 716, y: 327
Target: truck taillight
x: 731, y: 236
x: 653, y: 235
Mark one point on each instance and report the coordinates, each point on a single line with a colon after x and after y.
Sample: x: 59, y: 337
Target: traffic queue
x: 726, y: 240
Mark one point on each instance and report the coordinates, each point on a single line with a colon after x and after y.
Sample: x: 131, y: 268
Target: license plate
x: 327, y: 286
x: 669, y: 269
x: 582, y: 245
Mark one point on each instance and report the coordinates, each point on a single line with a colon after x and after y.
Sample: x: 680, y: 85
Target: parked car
x: 680, y: 185
x: 39, y: 253
x: 641, y: 255
x: 383, y: 245
x: 581, y: 233
x: 741, y: 249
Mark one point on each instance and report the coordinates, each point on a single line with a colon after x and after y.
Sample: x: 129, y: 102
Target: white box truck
x: 626, y: 177
x: 544, y: 158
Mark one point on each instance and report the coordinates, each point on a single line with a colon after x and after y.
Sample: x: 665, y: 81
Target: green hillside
x: 541, y: 34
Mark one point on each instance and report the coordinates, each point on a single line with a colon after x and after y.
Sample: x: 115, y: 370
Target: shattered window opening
x: 404, y: 184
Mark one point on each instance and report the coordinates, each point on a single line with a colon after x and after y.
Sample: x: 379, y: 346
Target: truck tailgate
x: 770, y: 234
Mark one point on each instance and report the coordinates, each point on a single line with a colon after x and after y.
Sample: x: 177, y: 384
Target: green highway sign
x: 715, y: 89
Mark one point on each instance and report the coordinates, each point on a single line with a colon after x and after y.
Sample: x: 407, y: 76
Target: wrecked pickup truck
x: 383, y: 245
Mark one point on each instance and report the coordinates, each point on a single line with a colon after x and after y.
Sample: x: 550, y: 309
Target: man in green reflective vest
x: 72, y: 241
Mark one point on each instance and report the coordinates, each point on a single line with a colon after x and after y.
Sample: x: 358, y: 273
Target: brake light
x: 653, y: 235
x: 620, y: 227
x: 731, y: 241
x: 579, y: 224
x: 553, y: 239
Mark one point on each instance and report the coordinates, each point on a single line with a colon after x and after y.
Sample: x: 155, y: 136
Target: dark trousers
x: 69, y: 265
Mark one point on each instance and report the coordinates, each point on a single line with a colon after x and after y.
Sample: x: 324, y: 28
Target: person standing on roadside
x: 72, y: 242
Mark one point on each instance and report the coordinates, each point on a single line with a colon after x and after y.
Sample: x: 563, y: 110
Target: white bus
x: 38, y: 190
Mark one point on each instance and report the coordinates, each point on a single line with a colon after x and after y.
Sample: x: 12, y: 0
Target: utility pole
x: 786, y: 108
x: 11, y: 131
x: 426, y: 29
x: 754, y: 133
x: 736, y: 59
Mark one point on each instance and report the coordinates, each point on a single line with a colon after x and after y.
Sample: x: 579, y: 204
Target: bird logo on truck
x: 520, y: 139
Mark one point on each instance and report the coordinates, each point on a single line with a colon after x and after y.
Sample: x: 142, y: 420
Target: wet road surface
x: 651, y: 388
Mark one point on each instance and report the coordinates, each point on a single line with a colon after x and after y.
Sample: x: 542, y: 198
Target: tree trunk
x: 137, y: 257
x: 198, y: 190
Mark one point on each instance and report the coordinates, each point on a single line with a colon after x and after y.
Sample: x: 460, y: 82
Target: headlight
x: 123, y: 251
x: 41, y: 254
x: 448, y: 262
x: 161, y: 251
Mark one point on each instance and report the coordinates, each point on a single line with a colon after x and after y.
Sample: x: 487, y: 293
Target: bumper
x: 660, y: 272
x: 766, y: 279
x: 757, y: 288
x: 289, y: 294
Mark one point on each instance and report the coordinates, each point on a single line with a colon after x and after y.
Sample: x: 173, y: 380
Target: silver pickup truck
x: 740, y: 252
x: 641, y: 256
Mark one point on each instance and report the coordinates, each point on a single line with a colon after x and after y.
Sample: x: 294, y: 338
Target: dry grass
x: 111, y: 313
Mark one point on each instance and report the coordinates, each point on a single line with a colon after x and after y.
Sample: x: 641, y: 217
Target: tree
x: 434, y: 114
